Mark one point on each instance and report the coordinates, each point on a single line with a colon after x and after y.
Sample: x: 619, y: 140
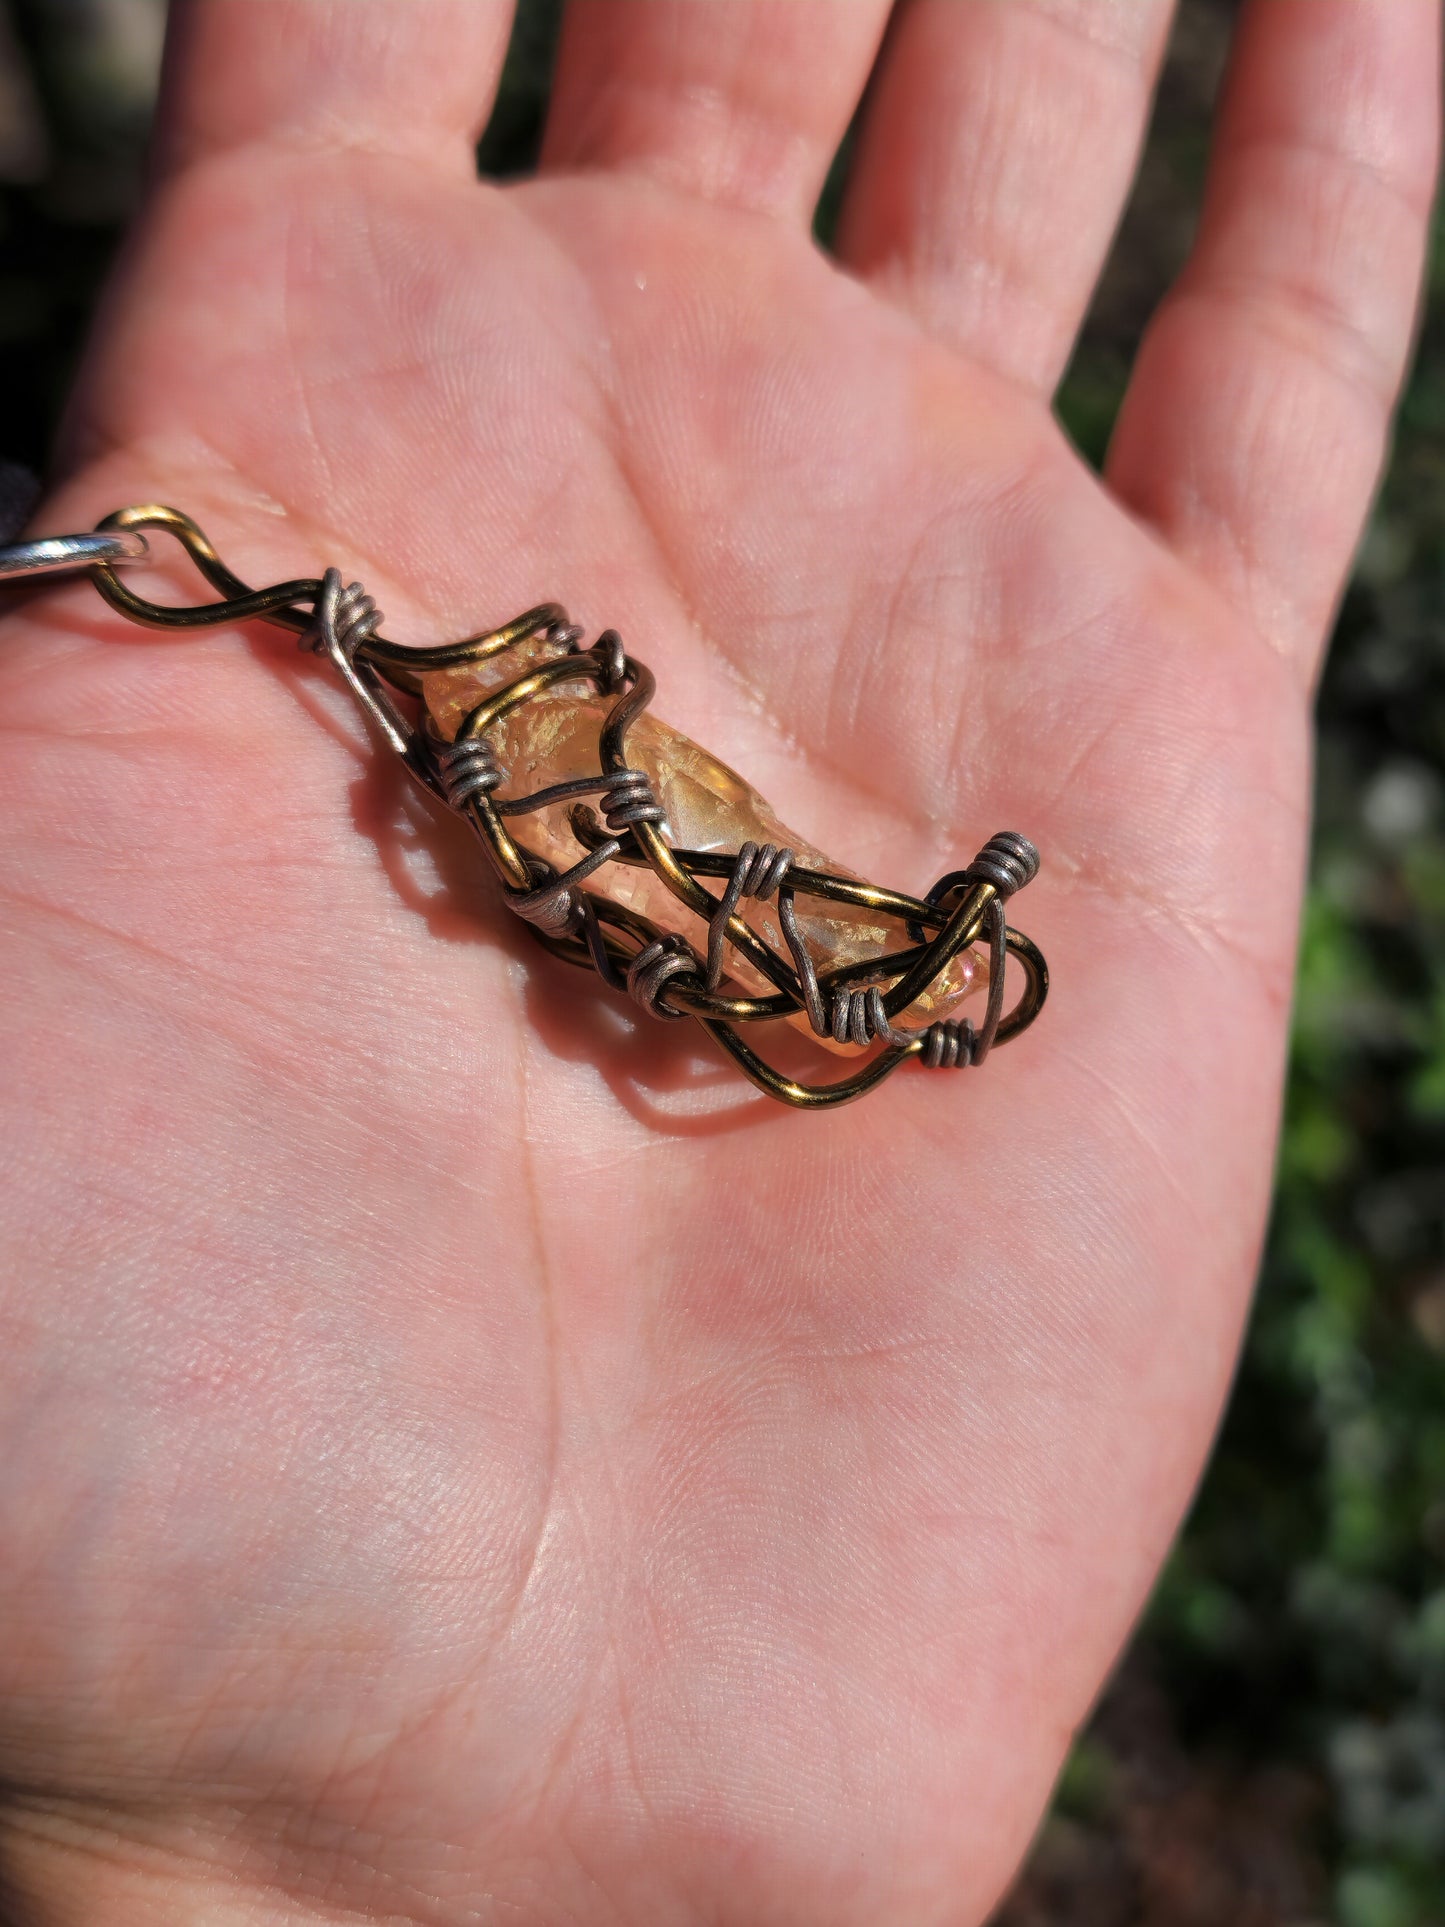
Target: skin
x: 464, y: 1457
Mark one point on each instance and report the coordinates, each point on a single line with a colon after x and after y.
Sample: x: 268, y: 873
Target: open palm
x: 465, y: 1456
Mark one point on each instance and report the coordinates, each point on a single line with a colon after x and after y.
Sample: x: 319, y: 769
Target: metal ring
x: 55, y: 554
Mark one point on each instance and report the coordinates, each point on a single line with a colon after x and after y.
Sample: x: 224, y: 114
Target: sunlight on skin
x: 448, y: 1473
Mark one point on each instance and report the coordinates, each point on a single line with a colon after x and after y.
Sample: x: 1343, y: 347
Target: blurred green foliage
x: 1272, y: 1752
x: 1304, y: 1612
x: 1296, y: 1643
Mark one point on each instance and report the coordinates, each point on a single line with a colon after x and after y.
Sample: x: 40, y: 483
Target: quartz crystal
x: 709, y: 807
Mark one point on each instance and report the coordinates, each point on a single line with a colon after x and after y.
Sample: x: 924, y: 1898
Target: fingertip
x: 418, y: 78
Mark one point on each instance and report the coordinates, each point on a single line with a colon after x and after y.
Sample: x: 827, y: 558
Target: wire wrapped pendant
x: 629, y: 824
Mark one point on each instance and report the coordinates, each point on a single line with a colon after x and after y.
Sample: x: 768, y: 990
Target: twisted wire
x: 653, y: 968
x: 343, y: 618
x: 758, y: 871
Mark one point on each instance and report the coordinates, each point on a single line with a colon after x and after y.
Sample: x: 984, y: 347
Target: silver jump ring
x: 55, y: 554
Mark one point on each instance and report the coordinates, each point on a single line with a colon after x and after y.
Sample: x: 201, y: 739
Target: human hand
x: 464, y: 1456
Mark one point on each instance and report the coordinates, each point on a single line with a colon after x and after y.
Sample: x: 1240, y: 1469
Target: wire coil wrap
x: 345, y: 618
x: 857, y: 1006
x: 630, y: 801
x: 467, y: 769
x: 653, y: 968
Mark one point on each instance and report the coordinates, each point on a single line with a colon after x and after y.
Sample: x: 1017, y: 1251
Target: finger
x: 416, y: 77
x: 743, y: 102
x: 995, y: 153
x: 1255, y: 425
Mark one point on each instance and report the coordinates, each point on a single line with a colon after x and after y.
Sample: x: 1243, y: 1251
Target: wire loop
x: 653, y: 968
x: 552, y: 905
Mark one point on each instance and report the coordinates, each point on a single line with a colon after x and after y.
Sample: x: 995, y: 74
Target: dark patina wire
x: 855, y: 1005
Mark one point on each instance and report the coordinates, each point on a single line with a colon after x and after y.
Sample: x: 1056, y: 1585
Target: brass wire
x: 955, y: 923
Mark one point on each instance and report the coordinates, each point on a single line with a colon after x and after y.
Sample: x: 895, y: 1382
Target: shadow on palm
x: 668, y: 1077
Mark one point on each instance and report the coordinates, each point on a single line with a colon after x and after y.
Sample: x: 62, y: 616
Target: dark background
x: 1272, y: 1750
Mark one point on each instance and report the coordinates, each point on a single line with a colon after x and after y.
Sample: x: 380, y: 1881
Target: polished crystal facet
x: 709, y: 808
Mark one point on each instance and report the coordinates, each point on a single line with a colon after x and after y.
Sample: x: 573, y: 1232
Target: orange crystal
x: 708, y: 806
